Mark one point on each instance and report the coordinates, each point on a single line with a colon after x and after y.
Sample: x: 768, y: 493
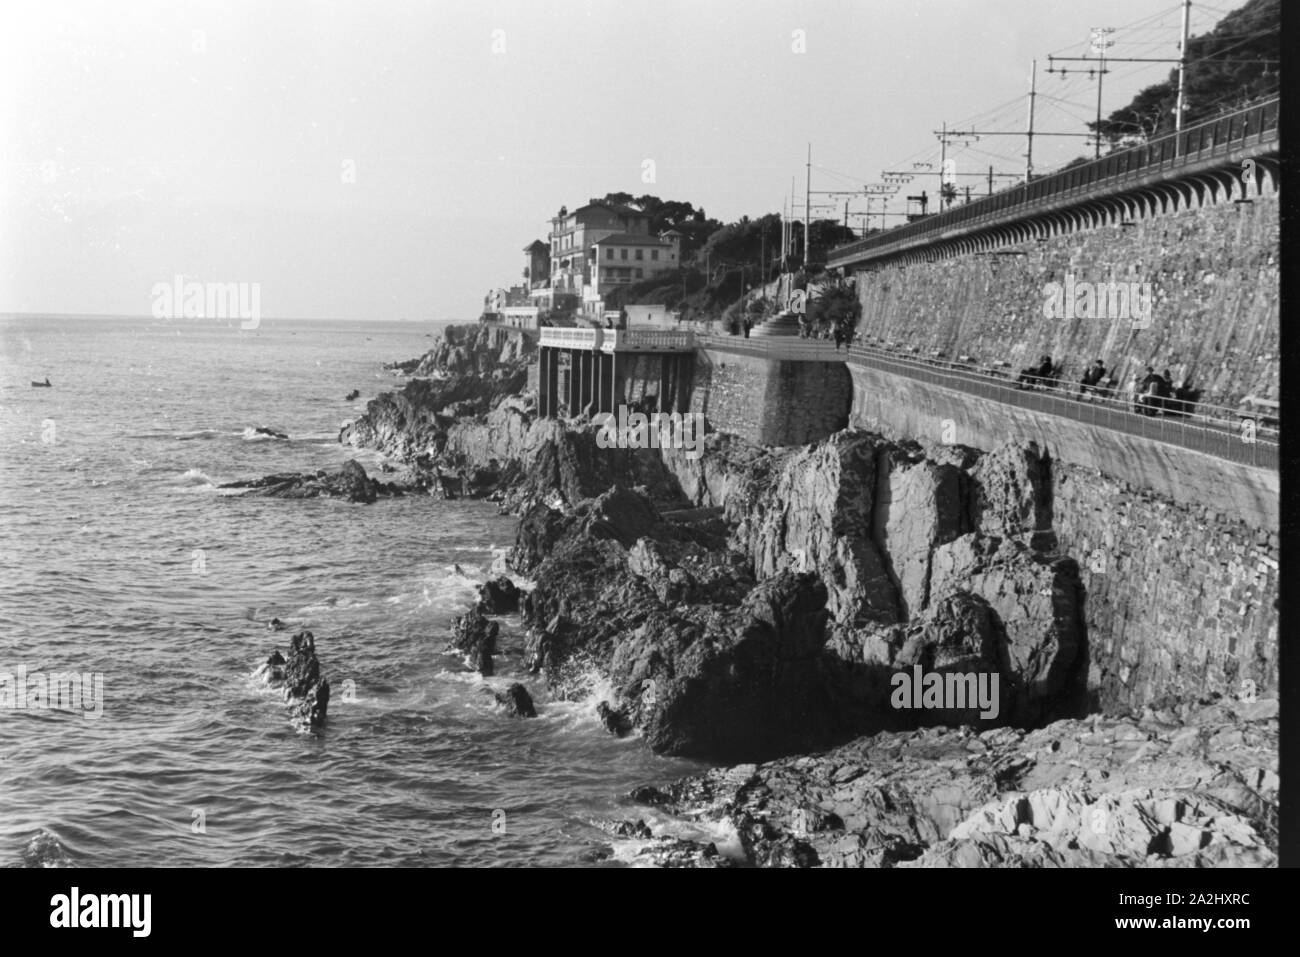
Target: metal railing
x: 528, y: 332
x: 568, y: 337
x: 1214, y: 430
x: 618, y: 340
x: 1211, y: 139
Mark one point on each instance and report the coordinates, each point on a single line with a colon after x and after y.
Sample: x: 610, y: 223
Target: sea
x: 124, y: 564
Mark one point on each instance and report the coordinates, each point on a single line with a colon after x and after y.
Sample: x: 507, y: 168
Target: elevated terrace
x: 609, y: 341
x: 1238, y: 436
x: 1205, y: 163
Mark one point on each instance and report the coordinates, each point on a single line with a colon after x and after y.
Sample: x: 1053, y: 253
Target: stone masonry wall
x: 771, y: 402
x: 902, y: 407
x: 1180, y: 600
x: 1214, y: 274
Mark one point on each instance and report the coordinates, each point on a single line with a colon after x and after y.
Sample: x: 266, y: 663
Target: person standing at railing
x: 1148, y: 393
x: 1092, y: 378
x: 1035, y: 375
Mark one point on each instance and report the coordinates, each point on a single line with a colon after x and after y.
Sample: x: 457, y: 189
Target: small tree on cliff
x: 837, y: 308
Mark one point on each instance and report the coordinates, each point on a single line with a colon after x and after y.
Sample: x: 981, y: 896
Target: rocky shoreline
x: 756, y: 604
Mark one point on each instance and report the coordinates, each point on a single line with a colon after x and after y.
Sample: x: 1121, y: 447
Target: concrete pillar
x: 588, y: 377
x: 545, y: 382
x: 552, y: 381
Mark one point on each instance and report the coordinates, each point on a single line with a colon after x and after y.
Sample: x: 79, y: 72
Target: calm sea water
x: 118, y: 556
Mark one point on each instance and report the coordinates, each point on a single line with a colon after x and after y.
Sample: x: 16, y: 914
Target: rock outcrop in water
x: 475, y: 637
x: 306, y: 692
x: 350, y: 482
x: 516, y: 701
x: 500, y: 596
x: 774, y: 620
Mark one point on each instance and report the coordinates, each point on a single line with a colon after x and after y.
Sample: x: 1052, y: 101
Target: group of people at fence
x: 1153, y: 394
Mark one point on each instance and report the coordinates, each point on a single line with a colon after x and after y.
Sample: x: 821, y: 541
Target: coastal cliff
x: 752, y: 603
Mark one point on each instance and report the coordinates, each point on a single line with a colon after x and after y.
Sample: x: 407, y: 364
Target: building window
x: 622, y: 254
x: 638, y: 274
x: 654, y: 255
x: 609, y: 253
x: 640, y: 254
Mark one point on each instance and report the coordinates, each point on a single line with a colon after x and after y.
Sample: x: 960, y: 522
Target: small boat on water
x: 42, y: 385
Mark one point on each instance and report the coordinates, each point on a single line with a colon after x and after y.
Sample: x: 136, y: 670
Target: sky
x: 391, y: 160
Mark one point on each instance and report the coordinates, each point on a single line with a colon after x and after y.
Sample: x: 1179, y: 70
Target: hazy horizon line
x: 201, y: 319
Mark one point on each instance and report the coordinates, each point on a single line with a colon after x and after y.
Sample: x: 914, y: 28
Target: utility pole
x: 807, y: 208
x: 990, y: 179
x: 1029, y: 135
x: 790, y: 251
x: 1182, y: 68
x: 783, y: 238
x: 1101, y: 42
x: 943, y: 158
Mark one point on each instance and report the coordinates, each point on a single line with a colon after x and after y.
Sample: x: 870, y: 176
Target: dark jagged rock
x: 616, y: 722
x: 718, y: 648
x: 475, y: 636
x: 263, y: 430
x: 626, y: 829
x: 349, y: 482
x: 405, y: 366
x: 500, y: 596
x: 299, y: 678
x: 648, y: 794
x: 517, y: 701
x: 354, y: 394
x: 276, y: 625
x: 539, y: 529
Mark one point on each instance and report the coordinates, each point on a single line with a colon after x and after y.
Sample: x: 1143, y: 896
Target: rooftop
x: 627, y: 239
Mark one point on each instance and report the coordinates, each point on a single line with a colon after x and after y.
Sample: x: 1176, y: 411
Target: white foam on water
x: 325, y: 607
x: 721, y: 835
x: 194, y: 477
x: 196, y: 480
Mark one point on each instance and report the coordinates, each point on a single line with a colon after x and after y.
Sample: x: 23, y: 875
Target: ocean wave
x: 194, y: 479
x: 170, y: 436
x: 201, y: 434
x: 327, y: 606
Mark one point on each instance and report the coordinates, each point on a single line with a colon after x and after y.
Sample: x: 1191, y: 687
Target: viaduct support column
x: 585, y: 366
x: 549, y: 381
